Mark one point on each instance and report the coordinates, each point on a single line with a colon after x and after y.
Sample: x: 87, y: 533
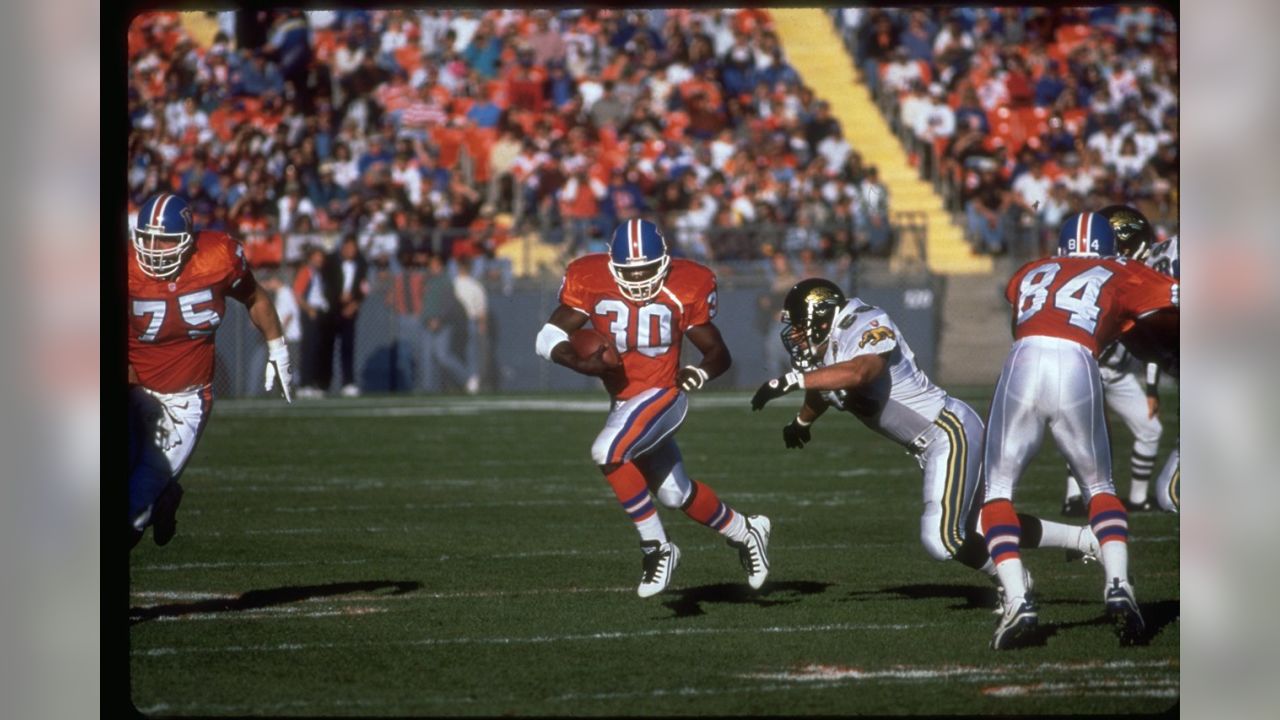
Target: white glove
x: 278, y: 365
x: 691, y: 378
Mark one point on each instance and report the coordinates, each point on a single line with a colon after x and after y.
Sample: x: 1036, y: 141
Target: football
x: 586, y: 342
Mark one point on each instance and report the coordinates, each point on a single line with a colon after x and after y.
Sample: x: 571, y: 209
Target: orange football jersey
x: 172, y: 321
x: 1089, y: 300
x: 647, y: 335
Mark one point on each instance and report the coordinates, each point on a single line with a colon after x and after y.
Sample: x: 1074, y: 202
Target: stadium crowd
x: 1025, y: 115
x: 441, y: 129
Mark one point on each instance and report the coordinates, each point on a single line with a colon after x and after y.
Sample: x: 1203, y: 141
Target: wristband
x: 548, y: 338
x: 802, y: 423
x: 276, y: 345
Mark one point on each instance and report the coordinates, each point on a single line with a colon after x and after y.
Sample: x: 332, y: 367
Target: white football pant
x: 950, y: 454
x: 163, y: 431
x: 1054, y: 383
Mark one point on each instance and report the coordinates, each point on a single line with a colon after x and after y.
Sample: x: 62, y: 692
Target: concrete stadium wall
x: 913, y: 302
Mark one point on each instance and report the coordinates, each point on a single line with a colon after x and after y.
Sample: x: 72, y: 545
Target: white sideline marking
x: 1108, y: 687
x: 282, y: 613
x: 400, y: 407
x: 539, y: 639
x: 832, y: 673
x: 170, y: 567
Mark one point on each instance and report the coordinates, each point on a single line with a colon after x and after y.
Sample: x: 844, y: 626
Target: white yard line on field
x: 537, y: 639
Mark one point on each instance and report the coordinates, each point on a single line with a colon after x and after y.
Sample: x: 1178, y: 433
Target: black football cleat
x: 1122, y: 609
x: 1074, y: 507
x: 165, y: 514
x: 1144, y: 506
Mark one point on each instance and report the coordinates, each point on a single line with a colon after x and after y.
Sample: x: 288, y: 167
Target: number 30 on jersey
x: 652, y: 326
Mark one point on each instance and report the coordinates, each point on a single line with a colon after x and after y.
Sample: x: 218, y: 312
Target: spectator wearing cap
x: 901, y: 72
x: 938, y: 120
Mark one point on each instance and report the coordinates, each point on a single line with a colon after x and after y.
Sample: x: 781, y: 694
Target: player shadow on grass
x: 687, y: 602
x: 256, y: 599
x: 1156, y: 615
x: 973, y: 596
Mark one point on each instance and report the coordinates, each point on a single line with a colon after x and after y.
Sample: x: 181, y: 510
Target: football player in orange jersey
x: 179, y: 283
x: 645, y: 301
x: 1066, y: 309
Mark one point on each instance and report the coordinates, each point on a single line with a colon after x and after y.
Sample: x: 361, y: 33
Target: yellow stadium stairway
x: 815, y: 50
x: 202, y: 26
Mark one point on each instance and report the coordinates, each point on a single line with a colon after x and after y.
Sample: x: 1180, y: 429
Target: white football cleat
x: 1088, y: 545
x: 660, y: 560
x: 753, y: 552
x: 1027, y: 583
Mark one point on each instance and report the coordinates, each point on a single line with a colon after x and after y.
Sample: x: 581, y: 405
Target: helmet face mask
x: 1134, y: 234
x: 638, y: 260
x: 808, y: 312
x: 162, y: 236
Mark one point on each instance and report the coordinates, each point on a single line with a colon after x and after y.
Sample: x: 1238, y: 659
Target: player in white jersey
x: 1164, y: 258
x: 851, y: 356
x: 1129, y: 387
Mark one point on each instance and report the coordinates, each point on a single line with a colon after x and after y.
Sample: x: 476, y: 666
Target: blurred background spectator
x: 346, y: 285
x: 1090, y: 94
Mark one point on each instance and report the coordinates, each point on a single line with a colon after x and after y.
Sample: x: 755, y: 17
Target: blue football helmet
x: 638, y: 259
x: 162, y: 235
x: 1086, y: 234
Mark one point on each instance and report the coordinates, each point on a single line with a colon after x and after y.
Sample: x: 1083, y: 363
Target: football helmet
x: 162, y: 235
x: 807, y: 313
x: 638, y: 259
x: 1086, y: 234
x: 1134, y: 234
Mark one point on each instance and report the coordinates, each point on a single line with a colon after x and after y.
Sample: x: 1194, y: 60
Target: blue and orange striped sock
x: 1110, y: 523
x: 1003, y: 532
x: 629, y: 486
x: 705, y: 507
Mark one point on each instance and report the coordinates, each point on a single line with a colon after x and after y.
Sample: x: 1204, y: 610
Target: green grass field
x: 458, y: 556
